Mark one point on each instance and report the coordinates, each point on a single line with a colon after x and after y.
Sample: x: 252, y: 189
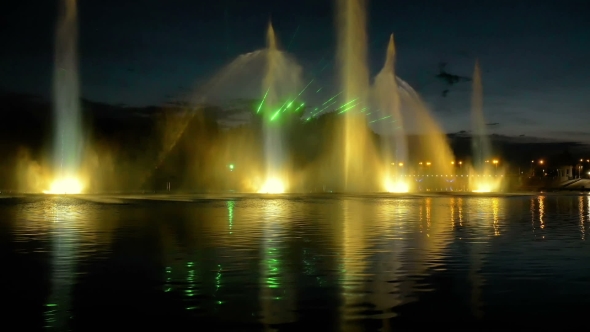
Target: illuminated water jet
x: 354, y: 151
x: 480, y: 142
x: 388, y: 101
x: 407, y: 114
x: 68, y: 135
x: 484, y: 176
x: 280, y: 83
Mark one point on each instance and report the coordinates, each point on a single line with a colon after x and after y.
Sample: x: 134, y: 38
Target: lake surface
x: 327, y: 262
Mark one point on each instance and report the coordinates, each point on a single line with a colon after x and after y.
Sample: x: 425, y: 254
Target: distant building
x: 565, y: 173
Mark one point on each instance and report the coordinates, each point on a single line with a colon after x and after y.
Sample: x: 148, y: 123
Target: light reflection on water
x: 361, y: 261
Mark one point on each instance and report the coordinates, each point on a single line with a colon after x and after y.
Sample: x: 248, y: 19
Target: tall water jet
x: 481, y: 179
x: 480, y: 141
x: 281, y: 79
x: 357, y: 156
x: 66, y: 103
x: 272, y: 134
x: 387, y: 99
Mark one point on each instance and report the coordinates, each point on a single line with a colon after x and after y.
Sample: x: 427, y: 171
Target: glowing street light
x: 401, y: 164
x: 231, y: 167
x: 428, y: 163
x: 541, y: 161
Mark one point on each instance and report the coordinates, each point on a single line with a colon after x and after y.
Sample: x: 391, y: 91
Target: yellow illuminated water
x: 354, y: 150
x: 387, y: 98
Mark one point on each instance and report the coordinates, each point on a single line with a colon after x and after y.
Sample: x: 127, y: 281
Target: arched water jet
x: 66, y: 104
x: 432, y: 145
x: 177, y: 124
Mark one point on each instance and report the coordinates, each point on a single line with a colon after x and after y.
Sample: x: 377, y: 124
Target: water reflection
x: 495, y: 204
x: 541, y: 211
x: 386, y: 264
x: 230, y: 215
x: 350, y: 262
x: 65, y: 222
x: 582, y: 216
x: 354, y: 222
x: 276, y: 278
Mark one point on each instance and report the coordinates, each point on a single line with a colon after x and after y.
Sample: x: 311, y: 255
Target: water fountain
x: 484, y: 176
x: 387, y: 98
x: 480, y: 141
x: 412, y: 154
x: 355, y: 153
x: 400, y: 102
x: 68, y: 136
x: 280, y: 83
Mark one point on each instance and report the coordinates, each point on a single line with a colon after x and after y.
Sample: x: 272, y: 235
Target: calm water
x: 326, y: 262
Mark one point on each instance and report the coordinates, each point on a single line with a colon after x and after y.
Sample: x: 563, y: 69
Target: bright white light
x: 483, y: 189
x: 65, y: 186
x: 397, y: 186
x: 272, y: 186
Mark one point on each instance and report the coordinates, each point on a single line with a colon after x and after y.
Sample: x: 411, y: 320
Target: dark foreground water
x: 326, y: 263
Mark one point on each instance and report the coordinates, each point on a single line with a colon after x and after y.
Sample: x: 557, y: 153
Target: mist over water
x: 66, y: 95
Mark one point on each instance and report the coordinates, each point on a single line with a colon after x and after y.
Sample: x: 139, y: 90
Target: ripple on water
x: 341, y: 259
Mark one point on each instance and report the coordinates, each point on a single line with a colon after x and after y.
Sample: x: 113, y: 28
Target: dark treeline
x: 144, y: 149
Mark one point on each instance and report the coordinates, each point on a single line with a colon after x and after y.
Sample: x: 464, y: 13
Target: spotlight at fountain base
x: 483, y: 189
x: 486, y: 186
x: 272, y: 186
x: 67, y: 186
x: 396, y: 186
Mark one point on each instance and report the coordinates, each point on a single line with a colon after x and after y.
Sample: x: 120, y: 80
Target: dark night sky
x: 534, y: 54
